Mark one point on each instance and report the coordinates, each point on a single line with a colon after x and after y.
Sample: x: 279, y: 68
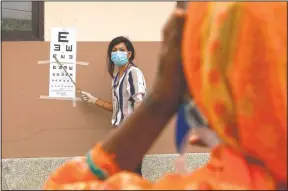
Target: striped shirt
x: 126, y: 91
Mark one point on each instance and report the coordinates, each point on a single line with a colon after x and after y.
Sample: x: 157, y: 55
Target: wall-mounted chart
x: 63, y: 46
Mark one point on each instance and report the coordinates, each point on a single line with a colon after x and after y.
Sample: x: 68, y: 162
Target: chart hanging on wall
x: 62, y: 65
x: 63, y: 45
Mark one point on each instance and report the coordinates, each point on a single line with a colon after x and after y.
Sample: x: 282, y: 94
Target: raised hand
x: 88, y: 98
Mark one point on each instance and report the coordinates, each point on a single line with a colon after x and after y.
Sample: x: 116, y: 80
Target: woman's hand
x: 88, y: 98
x: 170, y: 84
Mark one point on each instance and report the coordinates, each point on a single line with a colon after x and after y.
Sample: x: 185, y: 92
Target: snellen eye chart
x: 63, y: 46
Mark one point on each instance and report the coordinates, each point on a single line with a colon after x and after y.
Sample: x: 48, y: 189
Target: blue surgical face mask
x: 119, y: 58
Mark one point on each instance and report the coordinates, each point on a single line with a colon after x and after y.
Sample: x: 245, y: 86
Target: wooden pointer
x: 57, y: 61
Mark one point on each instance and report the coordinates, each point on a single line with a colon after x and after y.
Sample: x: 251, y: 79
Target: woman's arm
x: 87, y: 97
x: 138, y: 132
x: 107, y: 105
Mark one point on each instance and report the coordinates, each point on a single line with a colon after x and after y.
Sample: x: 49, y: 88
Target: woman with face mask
x: 128, y: 84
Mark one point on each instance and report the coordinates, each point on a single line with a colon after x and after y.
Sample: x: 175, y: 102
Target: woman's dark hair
x: 113, y: 43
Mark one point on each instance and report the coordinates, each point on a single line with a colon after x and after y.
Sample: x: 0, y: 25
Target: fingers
x: 196, y: 140
x: 176, y: 18
x: 204, y: 136
x: 85, y: 96
x: 174, y: 26
x: 181, y: 4
x: 85, y: 93
x: 172, y: 35
x: 170, y: 73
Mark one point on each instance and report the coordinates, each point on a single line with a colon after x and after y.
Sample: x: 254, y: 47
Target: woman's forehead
x: 120, y: 46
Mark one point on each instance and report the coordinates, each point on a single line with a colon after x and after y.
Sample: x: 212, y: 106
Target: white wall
x: 102, y: 21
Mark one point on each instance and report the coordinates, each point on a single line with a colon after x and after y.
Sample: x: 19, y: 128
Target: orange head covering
x: 235, y: 62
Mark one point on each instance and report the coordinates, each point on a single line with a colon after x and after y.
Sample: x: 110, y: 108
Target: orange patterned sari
x: 235, y: 63
x: 236, y: 68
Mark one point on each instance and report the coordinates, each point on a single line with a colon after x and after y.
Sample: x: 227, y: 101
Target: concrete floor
x: 30, y: 173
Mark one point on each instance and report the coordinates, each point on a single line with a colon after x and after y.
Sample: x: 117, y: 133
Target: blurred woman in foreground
x: 234, y: 63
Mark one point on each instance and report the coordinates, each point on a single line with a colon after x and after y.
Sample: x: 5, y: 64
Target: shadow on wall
x: 34, y: 127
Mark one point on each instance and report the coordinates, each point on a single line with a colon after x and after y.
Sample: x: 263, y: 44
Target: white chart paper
x: 63, y: 45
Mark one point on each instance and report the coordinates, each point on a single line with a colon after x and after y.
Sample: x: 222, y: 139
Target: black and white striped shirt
x: 126, y: 91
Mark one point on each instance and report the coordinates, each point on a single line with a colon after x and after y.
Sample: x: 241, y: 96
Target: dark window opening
x: 22, y: 21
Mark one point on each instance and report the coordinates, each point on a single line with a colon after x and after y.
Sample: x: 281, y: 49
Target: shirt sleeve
x: 136, y: 85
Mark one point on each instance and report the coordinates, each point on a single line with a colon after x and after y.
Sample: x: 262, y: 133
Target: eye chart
x: 63, y: 46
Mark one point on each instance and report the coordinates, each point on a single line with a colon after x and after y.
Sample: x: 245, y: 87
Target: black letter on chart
x: 56, y: 47
x: 62, y: 37
x: 68, y: 48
